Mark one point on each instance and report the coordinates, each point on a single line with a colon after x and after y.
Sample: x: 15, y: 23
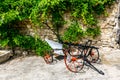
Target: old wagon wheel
x: 73, y: 62
x: 93, y: 55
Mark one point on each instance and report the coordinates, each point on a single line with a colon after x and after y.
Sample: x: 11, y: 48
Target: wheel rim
x: 93, y: 56
x: 72, y: 63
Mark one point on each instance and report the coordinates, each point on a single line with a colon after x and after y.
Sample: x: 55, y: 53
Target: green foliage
x: 41, y: 10
x: 38, y: 11
x: 52, y: 10
x: 41, y: 47
x: 73, y: 33
x: 10, y: 36
x: 26, y: 43
x: 8, y: 17
x: 88, y: 9
x: 11, y: 10
x: 30, y: 43
x: 90, y: 31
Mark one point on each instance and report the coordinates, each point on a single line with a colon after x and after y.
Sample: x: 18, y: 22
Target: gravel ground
x: 34, y: 68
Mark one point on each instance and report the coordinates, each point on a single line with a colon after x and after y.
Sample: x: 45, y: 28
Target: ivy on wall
x: 38, y: 11
x: 73, y: 33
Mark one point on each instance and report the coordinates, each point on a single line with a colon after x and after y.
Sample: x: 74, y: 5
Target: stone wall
x: 27, y: 28
x: 109, y: 27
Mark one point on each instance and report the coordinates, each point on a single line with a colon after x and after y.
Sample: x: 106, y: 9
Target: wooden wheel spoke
x: 75, y: 66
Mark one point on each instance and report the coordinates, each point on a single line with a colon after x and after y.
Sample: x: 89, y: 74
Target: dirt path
x: 34, y: 68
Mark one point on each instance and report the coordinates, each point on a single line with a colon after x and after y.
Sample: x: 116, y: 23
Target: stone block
x: 4, y: 55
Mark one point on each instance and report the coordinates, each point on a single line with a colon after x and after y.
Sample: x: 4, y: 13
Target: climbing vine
x: 52, y: 11
x: 73, y: 33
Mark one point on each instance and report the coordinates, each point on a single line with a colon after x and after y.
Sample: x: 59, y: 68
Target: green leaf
x: 4, y: 42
